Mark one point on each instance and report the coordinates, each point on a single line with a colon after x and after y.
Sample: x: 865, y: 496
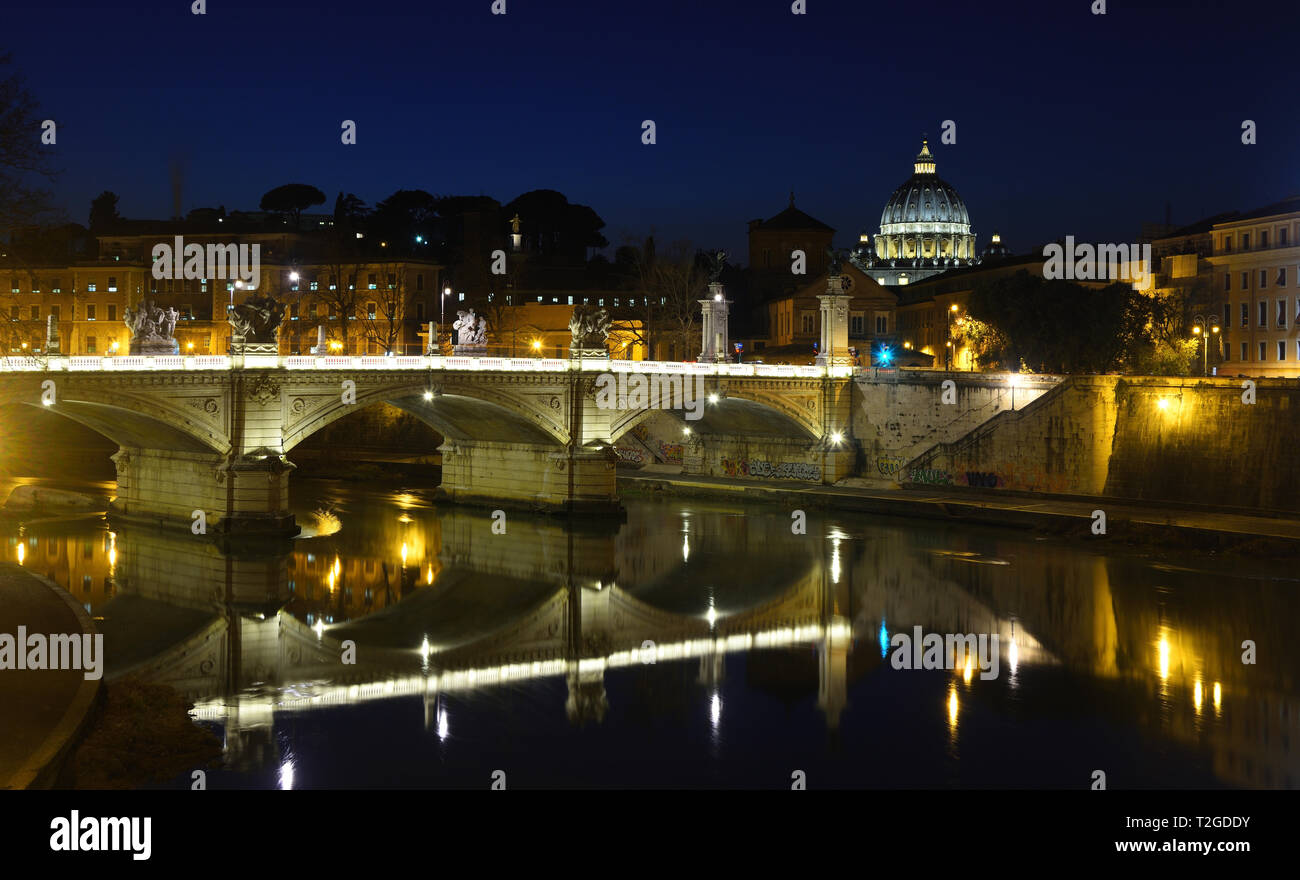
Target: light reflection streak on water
x: 466, y: 679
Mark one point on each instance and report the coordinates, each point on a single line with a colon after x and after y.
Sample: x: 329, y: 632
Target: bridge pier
x: 239, y: 495
x: 537, y: 477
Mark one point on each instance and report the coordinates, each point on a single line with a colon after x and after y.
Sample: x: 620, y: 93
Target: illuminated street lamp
x: 1201, y: 322
x: 952, y: 310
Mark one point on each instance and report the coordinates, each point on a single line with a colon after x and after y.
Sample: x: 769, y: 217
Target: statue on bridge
x: 470, y: 331
x: 256, y: 319
x: 589, y: 329
x: 716, y: 261
x: 834, y: 261
x: 152, y: 328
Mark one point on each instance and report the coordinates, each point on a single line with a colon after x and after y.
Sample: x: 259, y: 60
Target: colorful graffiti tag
x: 980, y: 480
x: 889, y: 465
x: 927, y: 475
x: 630, y: 455
x: 786, y: 470
x: 673, y: 453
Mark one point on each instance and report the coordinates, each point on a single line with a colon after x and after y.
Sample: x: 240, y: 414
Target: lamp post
x: 952, y: 310
x: 1199, y: 329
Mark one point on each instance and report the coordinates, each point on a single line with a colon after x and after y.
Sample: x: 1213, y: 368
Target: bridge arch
x: 456, y: 410
x: 127, y: 419
x: 731, y: 414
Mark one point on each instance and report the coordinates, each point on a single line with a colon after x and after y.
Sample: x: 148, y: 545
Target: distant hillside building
x: 772, y: 244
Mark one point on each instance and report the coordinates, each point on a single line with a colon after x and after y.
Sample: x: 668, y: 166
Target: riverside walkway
x: 44, y: 710
x: 992, y: 508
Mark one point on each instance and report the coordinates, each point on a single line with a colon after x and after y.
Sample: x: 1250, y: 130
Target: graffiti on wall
x: 929, y: 476
x: 1031, y: 479
x: 673, y: 453
x: 1006, y: 476
x: 980, y: 480
x: 888, y: 465
x: 630, y: 455
x: 786, y: 470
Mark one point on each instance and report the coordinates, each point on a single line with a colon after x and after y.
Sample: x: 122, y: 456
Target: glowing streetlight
x: 952, y: 310
x: 1199, y: 330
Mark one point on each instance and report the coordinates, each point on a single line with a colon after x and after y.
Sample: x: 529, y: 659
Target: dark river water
x: 695, y: 644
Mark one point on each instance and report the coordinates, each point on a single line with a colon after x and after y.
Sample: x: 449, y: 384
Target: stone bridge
x: 216, y: 433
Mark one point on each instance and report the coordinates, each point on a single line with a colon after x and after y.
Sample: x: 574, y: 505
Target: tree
x: 650, y: 303
x: 24, y: 163
x: 103, y: 211
x: 558, y: 231
x: 291, y: 200
x: 383, y: 326
x: 1059, y: 326
x: 675, y: 283
x: 24, y: 160
x: 343, y: 262
x: 403, y: 216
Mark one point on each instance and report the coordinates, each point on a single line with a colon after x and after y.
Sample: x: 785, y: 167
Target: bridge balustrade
x: 92, y: 363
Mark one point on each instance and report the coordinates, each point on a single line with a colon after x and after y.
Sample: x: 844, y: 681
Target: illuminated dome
x: 925, y: 198
x: 925, y: 226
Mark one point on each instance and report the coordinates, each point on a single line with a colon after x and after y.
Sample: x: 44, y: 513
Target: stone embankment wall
x: 894, y: 421
x: 1143, y: 438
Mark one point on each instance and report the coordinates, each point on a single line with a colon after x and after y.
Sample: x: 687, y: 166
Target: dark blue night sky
x: 1067, y: 122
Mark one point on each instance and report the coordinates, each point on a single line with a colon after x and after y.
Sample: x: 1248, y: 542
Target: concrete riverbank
x: 46, y: 711
x: 1125, y: 521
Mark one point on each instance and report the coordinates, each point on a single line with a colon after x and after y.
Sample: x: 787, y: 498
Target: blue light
x: 884, y: 640
x: 885, y: 354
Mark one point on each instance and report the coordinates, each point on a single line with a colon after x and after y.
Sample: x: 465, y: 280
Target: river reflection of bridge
x: 436, y: 603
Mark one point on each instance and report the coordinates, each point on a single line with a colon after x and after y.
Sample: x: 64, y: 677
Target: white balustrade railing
x: 133, y: 363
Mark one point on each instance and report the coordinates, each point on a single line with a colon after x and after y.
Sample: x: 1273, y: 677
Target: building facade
x: 1255, y: 267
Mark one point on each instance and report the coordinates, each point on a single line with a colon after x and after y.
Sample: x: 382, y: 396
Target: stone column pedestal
x: 834, y: 347
x: 245, y: 496
x: 529, y: 476
x: 713, y: 330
